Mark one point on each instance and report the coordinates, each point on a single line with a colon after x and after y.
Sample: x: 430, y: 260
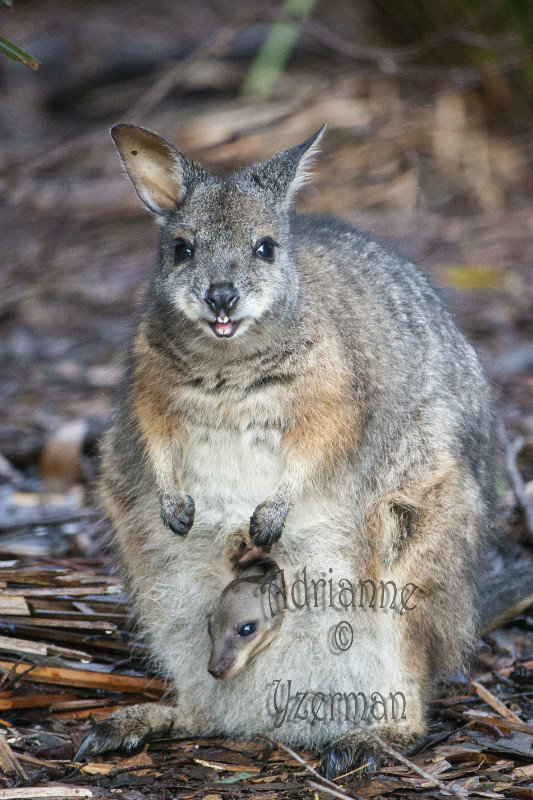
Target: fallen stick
x: 336, y: 792
x: 504, y: 724
x: 67, y: 676
x: 494, y: 703
x: 71, y: 624
x: 324, y: 782
x: 32, y: 701
x: 53, y: 792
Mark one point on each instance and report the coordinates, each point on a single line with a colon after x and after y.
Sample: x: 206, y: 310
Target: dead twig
x: 336, y: 792
x: 494, y: 703
x: 323, y: 781
x: 458, y: 792
x: 213, y: 45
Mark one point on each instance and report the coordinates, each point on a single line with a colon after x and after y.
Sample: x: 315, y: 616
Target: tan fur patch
x: 163, y: 435
x: 325, y: 419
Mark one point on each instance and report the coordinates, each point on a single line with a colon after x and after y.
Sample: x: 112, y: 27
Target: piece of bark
x: 66, y: 676
x: 32, y: 701
x: 8, y: 760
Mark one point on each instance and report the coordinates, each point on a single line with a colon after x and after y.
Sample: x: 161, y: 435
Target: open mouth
x: 223, y: 326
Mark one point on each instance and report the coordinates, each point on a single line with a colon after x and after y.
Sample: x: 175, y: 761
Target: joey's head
x: 226, y: 260
x: 247, y: 617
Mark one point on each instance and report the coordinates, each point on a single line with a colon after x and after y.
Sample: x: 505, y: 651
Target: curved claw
x: 341, y: 757
x: 266, y: 524
x: 179, y: 517
x: 107, y: 736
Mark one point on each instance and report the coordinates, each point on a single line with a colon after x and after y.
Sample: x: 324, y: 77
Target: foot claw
x: 266, y: 524
x: 342, y: 757
x: 107, y: 736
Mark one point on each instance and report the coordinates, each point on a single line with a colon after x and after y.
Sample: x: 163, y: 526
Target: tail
x: 506, y: 592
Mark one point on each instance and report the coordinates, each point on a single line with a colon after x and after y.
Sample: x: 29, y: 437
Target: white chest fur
x: 233, y: 459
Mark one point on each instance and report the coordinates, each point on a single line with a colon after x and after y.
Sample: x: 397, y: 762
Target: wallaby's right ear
x: 157, y: 170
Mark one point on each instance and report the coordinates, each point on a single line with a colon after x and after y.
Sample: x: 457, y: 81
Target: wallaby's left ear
x: 287, y: 171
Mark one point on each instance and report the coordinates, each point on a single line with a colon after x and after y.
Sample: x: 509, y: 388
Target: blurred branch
x: 214, y: 45
x: 276, y: 49
x: 403, y: 54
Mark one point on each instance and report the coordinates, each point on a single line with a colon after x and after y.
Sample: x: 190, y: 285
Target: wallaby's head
x: 226, y: 260
x: 247, y: 617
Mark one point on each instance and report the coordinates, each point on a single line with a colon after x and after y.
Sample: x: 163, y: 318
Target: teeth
x: 222, y: 318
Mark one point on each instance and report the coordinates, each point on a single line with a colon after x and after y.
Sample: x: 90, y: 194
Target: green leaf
x: 276, y: 50
x: 8, y: 3
x: 17, y: 54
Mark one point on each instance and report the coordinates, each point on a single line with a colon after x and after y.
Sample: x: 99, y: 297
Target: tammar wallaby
x: 246, y: 618
x: 290, y: 373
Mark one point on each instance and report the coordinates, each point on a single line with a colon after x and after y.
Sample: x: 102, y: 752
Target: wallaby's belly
x: 228, y: 471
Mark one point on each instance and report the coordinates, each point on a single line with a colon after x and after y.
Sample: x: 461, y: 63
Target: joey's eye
x: 182, y: 251
x: 265, y: 249
x: 247, y: 629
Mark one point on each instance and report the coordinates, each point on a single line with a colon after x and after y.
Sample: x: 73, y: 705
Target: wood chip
x: 92, y: 768
x: 9, y: 761
x: 16, y: 606
x: 523, y: 772
x: 13, y: 645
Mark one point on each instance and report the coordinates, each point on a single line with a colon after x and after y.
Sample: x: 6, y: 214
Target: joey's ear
x: 287, y: 171
x: 157, y: 170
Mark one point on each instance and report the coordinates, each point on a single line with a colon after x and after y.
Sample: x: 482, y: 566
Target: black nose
x: 216, y: 672
x: 221, y: 297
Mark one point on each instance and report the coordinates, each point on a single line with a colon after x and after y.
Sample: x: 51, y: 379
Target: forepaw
x: 266, y: 523
x: 345, y: 756
x: 109, y: 735
x: 177, y: 512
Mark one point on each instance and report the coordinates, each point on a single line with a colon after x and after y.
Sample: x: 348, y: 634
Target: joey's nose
x: 221, y: 297
x: 215, y: 672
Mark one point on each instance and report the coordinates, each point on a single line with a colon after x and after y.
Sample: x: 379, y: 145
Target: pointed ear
x: 157, y: 170
x: 287, y: 171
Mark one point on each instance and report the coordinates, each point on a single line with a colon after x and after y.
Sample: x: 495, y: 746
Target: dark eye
x: 182, y: 251
x: 265, y: 249
x: 247, y: 629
